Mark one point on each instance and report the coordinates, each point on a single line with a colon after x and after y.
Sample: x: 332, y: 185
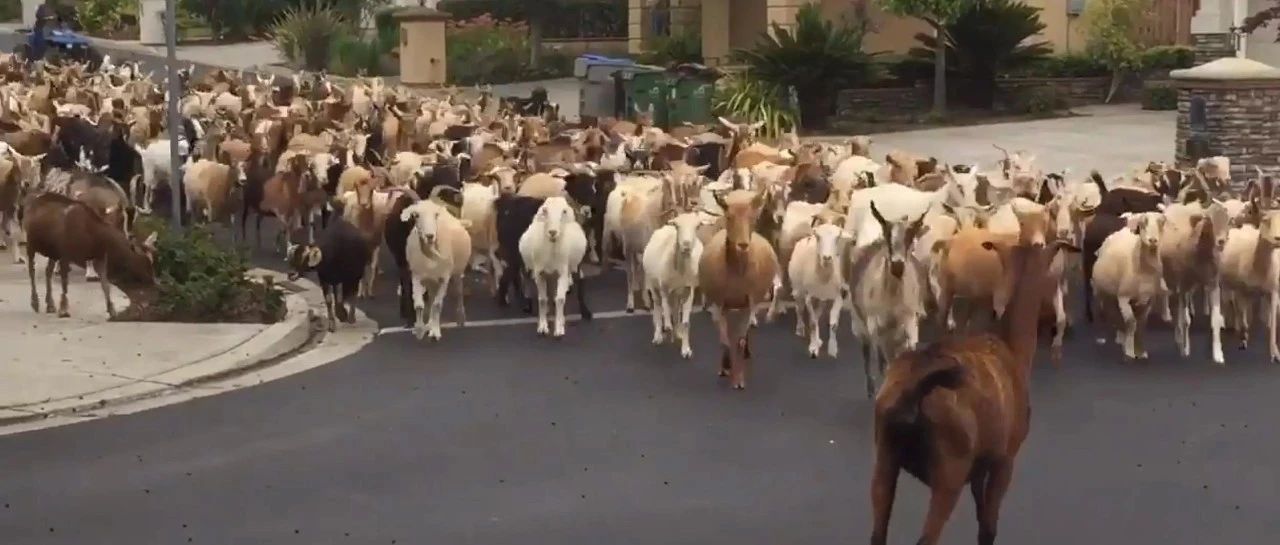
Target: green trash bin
x: 691, y: 100
x: 645, y: 89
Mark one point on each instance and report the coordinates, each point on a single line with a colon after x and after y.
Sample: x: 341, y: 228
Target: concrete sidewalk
x: 85, y: 366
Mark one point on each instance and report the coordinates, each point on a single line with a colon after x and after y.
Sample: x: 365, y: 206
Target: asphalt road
x: 495, y: 436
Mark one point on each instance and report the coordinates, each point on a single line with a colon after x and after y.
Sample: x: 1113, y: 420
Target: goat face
x: 425, y: 216
x: 742, y: 209
x: 1148, y: 226
x: 831, y: 240
x: 554, y: 215
x: 686, y: 225
x: 1060, y: 213
x: 28, y: 168
x: 899, y: 237
x: 1269, y: 227
x: 302, y: 258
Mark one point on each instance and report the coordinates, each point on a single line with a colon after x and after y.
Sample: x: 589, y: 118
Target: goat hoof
x: 64, y: 314
x: 722, y: 373
x: 739, y: 386
x: 657, y: 340
x: 813, y: 353
x: 631, y: 310
x: 420, y: 332
x: 832, y: 352
x: 50, y: 310
x: 686, y: 353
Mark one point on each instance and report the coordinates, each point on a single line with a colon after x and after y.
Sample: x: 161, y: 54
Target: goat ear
x: 408, y: 214
x: 150, y: 242
x: 313, y: 256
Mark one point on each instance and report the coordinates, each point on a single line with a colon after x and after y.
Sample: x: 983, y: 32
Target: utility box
x: 423, y: 59
x: 151, y: 27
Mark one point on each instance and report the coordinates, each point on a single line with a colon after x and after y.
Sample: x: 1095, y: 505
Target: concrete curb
x: 268, y: 347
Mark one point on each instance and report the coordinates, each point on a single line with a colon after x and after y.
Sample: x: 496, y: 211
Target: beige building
x: 726, y: 25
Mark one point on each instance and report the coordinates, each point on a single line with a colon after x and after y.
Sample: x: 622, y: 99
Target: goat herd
x: 460, y: 179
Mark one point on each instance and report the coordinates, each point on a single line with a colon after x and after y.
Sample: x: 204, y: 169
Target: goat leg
x: 420, y: 306
x: 31, y: 274
x: 837, y: 305
x: 683, y: 333
x: 435, y: 307
x: 1273, y: 306
x: 329, y: 306
x: 460, y: 313
x: 106, y: 287
x: 48, y: 285
x: 540, y: 285
x: 884, y: 485
x: 811, y: 311
x: 1215, y: 321
x: 658, y: 329
x: 64, y: 274
x: 740, y: 361
x: 944, y: 492
x: 866, y: 369
x: 581, y: 284
x: 989, y: 515
x: 563, y: 281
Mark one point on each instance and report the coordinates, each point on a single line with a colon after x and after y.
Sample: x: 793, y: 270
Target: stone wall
x: 1242, y: 122
x: 1213, y: 46
x: 1077, y: 91
x: 884, y: 101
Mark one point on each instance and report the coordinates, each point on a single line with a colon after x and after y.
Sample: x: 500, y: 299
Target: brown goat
x: 736, y: 273
x: 291, y: 196
x: 70, y: 232
x: 958, y: 410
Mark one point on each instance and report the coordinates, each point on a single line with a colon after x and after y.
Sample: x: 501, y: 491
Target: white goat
x: 888, y: 296
x: 437, y: 249
x: 1190, y: 251
x: 671, y: 261
x: 816, y: 278
x: 1250, y: 271
x: 553, y: 245
x: 155, y: 167
x: 480, y: 215
x: 1128, y: 278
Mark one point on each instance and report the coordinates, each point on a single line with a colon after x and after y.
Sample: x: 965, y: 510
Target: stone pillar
x: 1232, y: 106
x: 716, y: 45
x: 423, y: 59
x: 636, y: 26
x: 686, y: 16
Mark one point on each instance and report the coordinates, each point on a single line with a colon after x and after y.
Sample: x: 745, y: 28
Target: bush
x: 1168, y: 57
x: 198, y: 281
x: 987, y: 40
x: 743, y: 98
x: 488, y: 50
x: 306, y: 35
x: 1071, y: 65
x: 1159, y: 98
x: 10, y: 10
x: 685, y: 47
x: 106, y: 17
x: 353, y: 56
x: 818, y: 57
x: 1040, y: 101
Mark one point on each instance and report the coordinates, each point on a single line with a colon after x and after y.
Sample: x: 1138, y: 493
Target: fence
x: 1170, y: 22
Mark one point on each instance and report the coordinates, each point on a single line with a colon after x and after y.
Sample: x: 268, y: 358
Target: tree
x: 1114, y: 35
x: 1263, y: 19
x: 817, y: 57
x: 938, y: 14
x: 986, y: 40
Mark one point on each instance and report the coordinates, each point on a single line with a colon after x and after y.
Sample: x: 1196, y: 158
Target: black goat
x: 593, y: 191
x: 338, y: 257
x: 515, y: 215
x: 396, y: 233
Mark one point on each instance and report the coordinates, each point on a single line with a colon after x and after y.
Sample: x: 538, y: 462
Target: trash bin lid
x: 602, y: 60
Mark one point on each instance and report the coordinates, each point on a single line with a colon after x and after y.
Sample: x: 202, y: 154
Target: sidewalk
x: 85, y: 366
x: 239, y: 56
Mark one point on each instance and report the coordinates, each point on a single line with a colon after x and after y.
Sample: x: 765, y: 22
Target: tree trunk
x: 535, y: 42
x: 940, y: 75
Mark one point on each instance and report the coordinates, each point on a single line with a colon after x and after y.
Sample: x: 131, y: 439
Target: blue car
x: 64, y: 44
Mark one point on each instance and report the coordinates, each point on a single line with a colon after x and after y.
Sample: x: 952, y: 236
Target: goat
x: 671, y: 260
x: 1249, y: 271
x: 480, y: 214
x: 554, y: 245
x: 338, y: 258
x: 817, y: 276
x: 959, y: 410
x: 212, y: 187
x: 438, y: 249
x: 888, y: 297
x: 1128, y: 278
x: 736, y: 272
x: 1190, y: 252
x: 70, y: 232
x: 1106, y: 220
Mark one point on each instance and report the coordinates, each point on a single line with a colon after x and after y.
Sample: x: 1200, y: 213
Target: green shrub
x: 1168, y: 57
x: 106, y: 17
x: 743, y: 98
x: 986, y: 40
x: 199, y: 281
x: 1071, y: 65
x: 306, y: 35
x: 1040, y: 101
x: 685, y: 47
x: 488, y: 50
x: 818, y: 57
x: 1159, y: 98
x: 10, y: 10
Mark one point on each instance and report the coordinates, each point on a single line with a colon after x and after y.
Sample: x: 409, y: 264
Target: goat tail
x: 942, y: 372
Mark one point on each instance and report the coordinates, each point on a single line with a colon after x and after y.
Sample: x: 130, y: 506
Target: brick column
x: 1211, y: 46
x: 1240, y: 112
x: 636, y: 26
